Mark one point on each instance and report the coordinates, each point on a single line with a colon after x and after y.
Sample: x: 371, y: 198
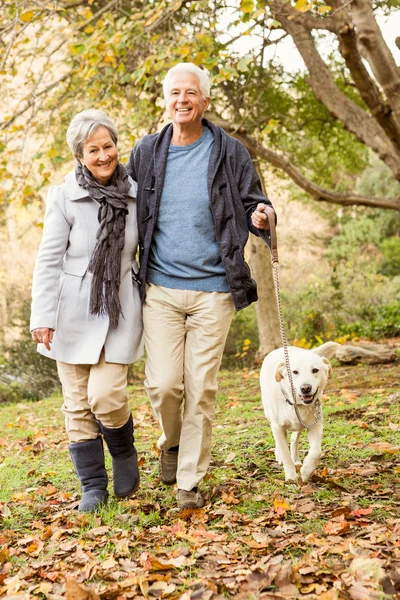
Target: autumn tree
x: 316, y: 126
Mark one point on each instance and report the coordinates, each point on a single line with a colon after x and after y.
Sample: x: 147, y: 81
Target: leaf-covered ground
x: 337, y: 537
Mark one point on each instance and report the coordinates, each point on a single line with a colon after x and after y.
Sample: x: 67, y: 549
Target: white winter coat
x: 61, y: 282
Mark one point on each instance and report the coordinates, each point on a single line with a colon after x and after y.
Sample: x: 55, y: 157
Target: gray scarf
x: 105, y: 263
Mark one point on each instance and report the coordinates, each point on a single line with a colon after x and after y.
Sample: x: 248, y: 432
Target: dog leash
x: 272, y: 242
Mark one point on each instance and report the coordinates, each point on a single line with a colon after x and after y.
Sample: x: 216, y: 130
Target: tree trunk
x: 377, y: 52
x: 266, y: 309
x: 267, y: 313
x: 355, y: 119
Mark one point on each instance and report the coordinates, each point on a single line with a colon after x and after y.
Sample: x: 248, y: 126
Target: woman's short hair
x: 203, y: 77
x: 83, y: 125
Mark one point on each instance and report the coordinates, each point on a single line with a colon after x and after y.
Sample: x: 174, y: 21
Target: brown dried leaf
x: 331, y: 594
x: 152, y: 563
x: 229, y: 498
x: 77, y: 591
x: 337, y: 527
x: 385, y: 447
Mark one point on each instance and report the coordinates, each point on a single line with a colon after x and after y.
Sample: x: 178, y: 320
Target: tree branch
x: 354, y: 118
x: 283, y: 163
x: 309, y: 21
x: 377, y: 52
x: 31, y: 101
x: 365, y: 84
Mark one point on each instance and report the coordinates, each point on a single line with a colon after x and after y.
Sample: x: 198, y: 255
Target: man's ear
x: 329, y: 366
x: 279, y: 371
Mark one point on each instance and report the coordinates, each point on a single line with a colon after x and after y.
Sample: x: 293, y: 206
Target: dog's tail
x: 328, y: 350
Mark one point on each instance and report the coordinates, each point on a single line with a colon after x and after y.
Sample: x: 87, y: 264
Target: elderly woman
x: 86, y: 311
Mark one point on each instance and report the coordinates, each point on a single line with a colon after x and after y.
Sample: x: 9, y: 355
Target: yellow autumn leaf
x: 324, y: 8
x: 247, y: 6
x: 303, y: 5
x: 281, y: 505
x: 27, y: 16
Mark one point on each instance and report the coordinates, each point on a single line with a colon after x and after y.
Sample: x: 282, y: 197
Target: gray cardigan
x: 234, y: 189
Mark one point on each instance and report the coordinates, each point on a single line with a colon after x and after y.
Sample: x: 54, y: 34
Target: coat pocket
x: 71, y: 267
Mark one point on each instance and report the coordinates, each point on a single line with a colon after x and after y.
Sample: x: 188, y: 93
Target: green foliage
x: 242, y: 342
x: 314, y: 140
x: 376, y: 322
x: 24, y: 373
x: 355, y: 237
x: 390, y: 248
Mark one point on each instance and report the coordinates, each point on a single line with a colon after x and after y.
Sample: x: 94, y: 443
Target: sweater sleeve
x: 251, y: 193
x: 46, y: 275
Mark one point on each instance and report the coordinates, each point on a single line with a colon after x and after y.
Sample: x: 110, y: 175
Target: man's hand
x: 43, y: 335
x: 259, y: 218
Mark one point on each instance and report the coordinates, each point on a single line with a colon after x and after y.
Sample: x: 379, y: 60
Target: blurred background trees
x: 325, y: 135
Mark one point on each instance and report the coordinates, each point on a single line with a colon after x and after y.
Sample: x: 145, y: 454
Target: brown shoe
x: 191, y: 499
x: 167, y: 466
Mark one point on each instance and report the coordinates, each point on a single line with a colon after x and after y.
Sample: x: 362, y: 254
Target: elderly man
x: 198, y: 197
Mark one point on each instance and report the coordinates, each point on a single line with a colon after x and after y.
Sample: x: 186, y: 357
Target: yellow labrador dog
x: 311, y: 370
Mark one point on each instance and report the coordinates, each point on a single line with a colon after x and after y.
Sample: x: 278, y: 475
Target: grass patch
x: 253, y: 519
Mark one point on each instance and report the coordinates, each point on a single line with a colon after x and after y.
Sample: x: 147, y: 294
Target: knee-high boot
x: 120, y: 443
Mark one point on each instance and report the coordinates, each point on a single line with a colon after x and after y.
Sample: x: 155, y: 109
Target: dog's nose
x: 306, y: 389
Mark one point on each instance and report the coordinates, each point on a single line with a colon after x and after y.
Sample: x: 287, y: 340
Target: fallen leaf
x: 385, y: 447
x: 152, y: 562
x: 161, y: 589
x: 281, y: 506
x: 338, y: 527
x: 230, y: 457
x: 76, y: 591
x: 360, y: 423
x: 229, y: 498
x: 360, y: 512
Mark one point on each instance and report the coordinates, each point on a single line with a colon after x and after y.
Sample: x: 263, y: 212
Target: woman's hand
x: 43, y: 335
x: 259, y: 218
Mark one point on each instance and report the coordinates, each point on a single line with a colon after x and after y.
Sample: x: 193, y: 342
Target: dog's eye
x: 295, y: 372
x: 315, y: 370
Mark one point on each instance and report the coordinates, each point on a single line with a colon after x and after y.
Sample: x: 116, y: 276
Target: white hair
x: 83, y: 125
x: 202, y: 76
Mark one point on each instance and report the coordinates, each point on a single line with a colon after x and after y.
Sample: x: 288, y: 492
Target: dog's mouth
x: 309, y: 398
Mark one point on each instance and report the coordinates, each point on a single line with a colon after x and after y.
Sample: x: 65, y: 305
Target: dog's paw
x: 305, y: 475
x: 291, y: 476
x: 292, y: 483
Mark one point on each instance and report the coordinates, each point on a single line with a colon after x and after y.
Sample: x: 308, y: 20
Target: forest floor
x: 336, y: 537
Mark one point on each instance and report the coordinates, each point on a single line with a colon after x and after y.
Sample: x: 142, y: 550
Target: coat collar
x: 76, y: 192
x: 162, y: 145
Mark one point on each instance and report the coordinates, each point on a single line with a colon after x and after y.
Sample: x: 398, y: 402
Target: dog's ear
x: 279, y: 371
x: 328, y: 364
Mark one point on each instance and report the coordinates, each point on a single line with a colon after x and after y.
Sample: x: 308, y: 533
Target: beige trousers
x: 93, y: 393
x: 185, y: 333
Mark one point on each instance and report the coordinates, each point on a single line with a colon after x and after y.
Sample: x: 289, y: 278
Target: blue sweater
x: 184, y: 251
